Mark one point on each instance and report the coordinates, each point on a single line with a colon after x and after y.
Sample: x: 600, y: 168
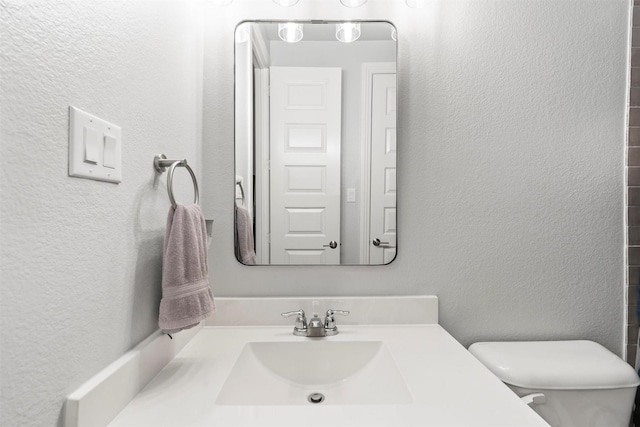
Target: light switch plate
x: 351, y: 195
x: 106, y: 157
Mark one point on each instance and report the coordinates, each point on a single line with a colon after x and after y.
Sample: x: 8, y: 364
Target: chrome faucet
x: 316, y: 327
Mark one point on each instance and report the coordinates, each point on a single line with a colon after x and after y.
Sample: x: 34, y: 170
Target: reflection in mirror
x: 315, y: 143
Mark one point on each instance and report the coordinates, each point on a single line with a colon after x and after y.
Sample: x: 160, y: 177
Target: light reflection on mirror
x: 315, y: 143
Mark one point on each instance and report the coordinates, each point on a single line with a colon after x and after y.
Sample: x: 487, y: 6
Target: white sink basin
x: 287, y: 373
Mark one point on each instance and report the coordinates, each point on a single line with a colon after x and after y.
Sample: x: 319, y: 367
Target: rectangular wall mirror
x: 315, y: 143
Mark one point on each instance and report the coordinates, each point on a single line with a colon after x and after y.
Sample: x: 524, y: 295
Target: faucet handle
x: 330, y: 323
x: 293, y: 313
x: 331, y: 312
x: 300, y: 327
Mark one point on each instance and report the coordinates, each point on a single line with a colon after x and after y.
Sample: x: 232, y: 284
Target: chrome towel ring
x: 239, y: 184
x: 160, y: 163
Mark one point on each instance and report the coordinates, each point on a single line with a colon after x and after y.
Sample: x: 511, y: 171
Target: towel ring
x: 160, y: 163
x: 239, y: 184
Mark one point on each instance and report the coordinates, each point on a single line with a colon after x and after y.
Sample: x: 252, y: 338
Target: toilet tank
x: 568, y: 383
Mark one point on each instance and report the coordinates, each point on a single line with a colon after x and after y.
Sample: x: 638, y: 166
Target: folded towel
x: 186, y: 296
x: 245, y: 252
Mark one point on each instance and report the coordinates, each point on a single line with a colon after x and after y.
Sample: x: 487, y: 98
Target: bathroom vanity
x: 401, y: 369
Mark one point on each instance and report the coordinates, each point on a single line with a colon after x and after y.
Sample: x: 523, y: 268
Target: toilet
x: 568, y: 383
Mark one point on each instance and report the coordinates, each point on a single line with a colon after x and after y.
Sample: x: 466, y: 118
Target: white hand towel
x: 186, y: 296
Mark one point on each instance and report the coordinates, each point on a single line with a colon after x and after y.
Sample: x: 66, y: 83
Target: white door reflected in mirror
x: 315, y: 129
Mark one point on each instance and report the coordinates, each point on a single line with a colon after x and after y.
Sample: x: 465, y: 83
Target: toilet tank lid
x: 555, y: 365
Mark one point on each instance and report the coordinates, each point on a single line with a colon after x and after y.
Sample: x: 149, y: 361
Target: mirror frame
x: 364, y: 155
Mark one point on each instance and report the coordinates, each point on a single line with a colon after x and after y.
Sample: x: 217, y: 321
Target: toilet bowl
x: 568, y: 383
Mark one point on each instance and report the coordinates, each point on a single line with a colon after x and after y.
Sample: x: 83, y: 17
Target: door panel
x: 383, y: 169
x: 305, y: 135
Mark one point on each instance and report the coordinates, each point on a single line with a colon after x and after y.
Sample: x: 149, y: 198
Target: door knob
x: 332, y: 244
x: 377, y: 242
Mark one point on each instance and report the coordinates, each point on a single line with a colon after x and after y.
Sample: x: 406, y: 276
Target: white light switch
x: 91, y: 139
x: 109, y: 153
x: 94, y: 147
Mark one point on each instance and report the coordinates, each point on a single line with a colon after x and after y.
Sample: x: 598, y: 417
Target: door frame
x: 261, y: 157
x: 368, y: 71
x: 261, y: 60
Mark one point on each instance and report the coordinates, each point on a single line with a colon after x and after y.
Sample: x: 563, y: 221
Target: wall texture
x: 511, y: 144
x: 511, y: 165
x: 81, y: 259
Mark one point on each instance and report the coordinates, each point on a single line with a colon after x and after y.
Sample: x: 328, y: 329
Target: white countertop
x: 448, y: 385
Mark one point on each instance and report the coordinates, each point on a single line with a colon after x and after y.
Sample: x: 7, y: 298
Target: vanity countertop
x: 449, y: 387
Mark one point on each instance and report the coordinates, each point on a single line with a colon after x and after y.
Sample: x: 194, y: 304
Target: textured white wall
x: 511, y: 135
x: 81, y: 259
x: 511, y: 153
